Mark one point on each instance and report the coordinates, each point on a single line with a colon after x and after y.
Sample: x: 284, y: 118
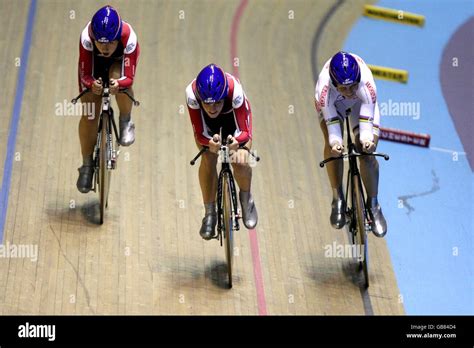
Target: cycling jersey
x: 333, y: 106
x: 92, y: 64
x: 235, y: 118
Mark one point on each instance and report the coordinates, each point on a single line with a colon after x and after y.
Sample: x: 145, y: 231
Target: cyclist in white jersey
x: 346, y: 88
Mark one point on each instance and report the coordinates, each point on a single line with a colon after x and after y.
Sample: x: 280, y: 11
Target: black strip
x: 133, y: 331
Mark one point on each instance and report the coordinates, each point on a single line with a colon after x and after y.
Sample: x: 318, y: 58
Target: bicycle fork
x: 113, y: 153
x: 235, y: 213
x: 353, y: 178
x: 220, y: 212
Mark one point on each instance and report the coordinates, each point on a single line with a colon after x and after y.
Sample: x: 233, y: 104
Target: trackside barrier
x: 392, y: 15
x: 405, y: 137
x: 390, y: 74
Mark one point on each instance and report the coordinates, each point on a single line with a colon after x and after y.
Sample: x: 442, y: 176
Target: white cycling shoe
x: 379, y: 224
x: 249, y: 210
x: 127, y: 133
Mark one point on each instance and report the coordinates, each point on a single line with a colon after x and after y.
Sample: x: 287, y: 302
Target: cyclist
x: 216, y: 100
x: 346, y: 86
x: 107, y: 43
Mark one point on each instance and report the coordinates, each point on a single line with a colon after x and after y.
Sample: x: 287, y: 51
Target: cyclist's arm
x: 325, y: 105
x: 366, y: 122
x: 243, y: 116
x: 85, y: 66
x: 195, y: 115
x: 198, y: 127
x: 130, y: 56
x: 129, y: 68
x: 242, y: 111
x: 368, y: 96
x: 367, y: 93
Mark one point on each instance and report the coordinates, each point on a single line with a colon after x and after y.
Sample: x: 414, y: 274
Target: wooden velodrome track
x: 148, y: 257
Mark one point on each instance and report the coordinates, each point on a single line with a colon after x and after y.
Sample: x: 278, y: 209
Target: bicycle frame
x: 357, y: 214
x: 353, y: 176
x: 225, y: 170
x: 227, y: 209
x: 352, y: 155
x: 106, y: 110
x: 105, y: 154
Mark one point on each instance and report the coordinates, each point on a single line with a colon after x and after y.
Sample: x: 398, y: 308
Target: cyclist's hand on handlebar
x: 232, y: 143
x: 97, y: 87
x: 215, y: 144
x: 336, y: 149
x: 113, y: 86
x: 368, y: 146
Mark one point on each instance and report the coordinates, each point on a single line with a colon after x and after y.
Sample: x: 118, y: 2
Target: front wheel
x: 104, y: 173
x: 362, y: 248
x: 228, y: 225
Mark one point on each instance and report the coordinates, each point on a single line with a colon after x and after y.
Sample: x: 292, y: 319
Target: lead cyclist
x: 346, y: 87
x: 107, y: 43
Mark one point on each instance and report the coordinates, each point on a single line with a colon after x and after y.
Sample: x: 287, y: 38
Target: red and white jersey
x: 129, y: 52
x: 329, y: 101
x: 235, y: 118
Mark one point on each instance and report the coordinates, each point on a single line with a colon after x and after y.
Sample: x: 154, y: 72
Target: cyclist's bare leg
x: 208, y: 183
x: 88, y: 125
x: 242, y: 169
x: 335, y: 170
x: 87, y: 136
x: 208, y: 176
x: 243, y: 176
x: 125, y: 104
x: 369, y: 171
